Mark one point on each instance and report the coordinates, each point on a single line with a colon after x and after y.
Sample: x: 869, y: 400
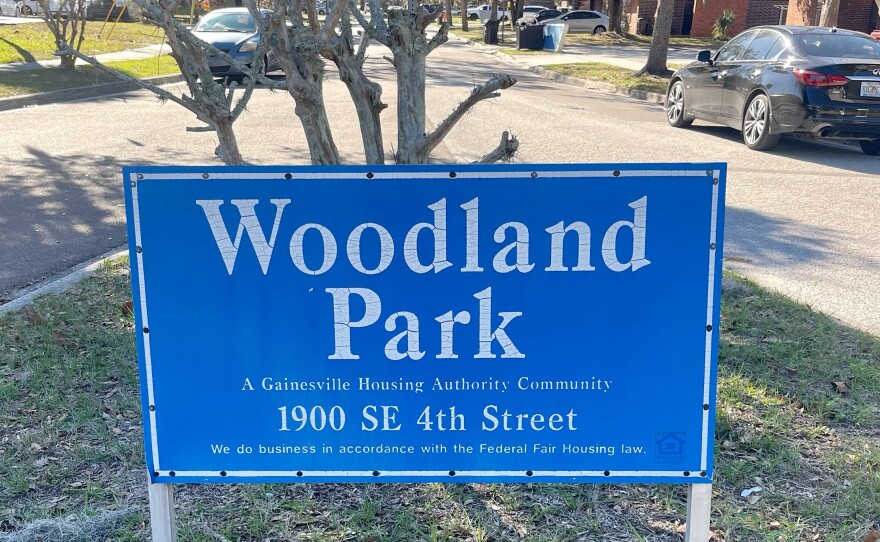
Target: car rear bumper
x: 829, y: 122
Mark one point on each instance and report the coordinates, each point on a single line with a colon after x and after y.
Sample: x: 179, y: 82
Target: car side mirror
x: 704, y: 56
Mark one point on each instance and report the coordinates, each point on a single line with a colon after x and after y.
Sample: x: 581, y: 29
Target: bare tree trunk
x: 365, y: 94
x: 828, y: 17
x: 493, y: 11
x: 68, y: 62
x: 615, y: 14
x: 463, y: 5
x: 410, y: 64
x: 656, y: 64
x: 227, y: 149
x: 447, y: 6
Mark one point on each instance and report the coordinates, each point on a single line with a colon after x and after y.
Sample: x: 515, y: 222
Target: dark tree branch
x: 379, y: 31
x: 504, y: 152
x: 487, y: 90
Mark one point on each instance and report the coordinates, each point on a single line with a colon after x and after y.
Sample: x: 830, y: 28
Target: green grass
x: 616, y: 75
x: 610, y: 38
x: 29, y: 42
x: 71, y: 444
x: 17, y: 83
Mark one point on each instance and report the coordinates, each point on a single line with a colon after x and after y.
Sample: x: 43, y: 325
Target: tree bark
x: 68, y: 62
x: 227, y: 148
x: 615, y: 14
x: 656, y: 64
x: 365, y: 94
x: 447, y: 5
x: 830, y: 9
x: 463, y: 5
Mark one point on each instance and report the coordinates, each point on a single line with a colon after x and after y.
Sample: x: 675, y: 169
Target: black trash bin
x: 490, y: 32
x: 530, y: 37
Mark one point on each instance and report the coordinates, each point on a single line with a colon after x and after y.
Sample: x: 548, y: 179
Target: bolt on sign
x: 503, y: 323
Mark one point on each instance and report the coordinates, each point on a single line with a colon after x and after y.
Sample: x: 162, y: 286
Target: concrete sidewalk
x: 129, y: 54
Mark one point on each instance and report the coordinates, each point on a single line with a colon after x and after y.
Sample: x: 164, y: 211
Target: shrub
x: 723, y: 24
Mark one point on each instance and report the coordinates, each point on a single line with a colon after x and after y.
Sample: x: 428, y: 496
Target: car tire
x: 599, y: 30
x: 28, y: 11
x: 675, y: 110
x: 473, y: 17
x: 870, y: 147
x: 756, y: 124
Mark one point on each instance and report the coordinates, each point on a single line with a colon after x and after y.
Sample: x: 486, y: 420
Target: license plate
x: 871, y: 89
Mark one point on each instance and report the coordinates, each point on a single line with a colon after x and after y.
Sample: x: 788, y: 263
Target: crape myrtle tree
x: 302, y: 43
x: 68, y: 25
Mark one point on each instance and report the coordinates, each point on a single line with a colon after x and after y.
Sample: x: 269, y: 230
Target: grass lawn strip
x: 608, y: 73
x: 798, y: 416
x: 18, y: 83
x: 30, y: 42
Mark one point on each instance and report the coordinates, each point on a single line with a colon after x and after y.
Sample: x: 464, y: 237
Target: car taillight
x: 816, y: 79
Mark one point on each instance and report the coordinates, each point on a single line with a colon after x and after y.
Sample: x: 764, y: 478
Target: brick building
x: 696, y: 17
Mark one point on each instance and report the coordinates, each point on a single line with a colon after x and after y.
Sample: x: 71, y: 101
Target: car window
x: 734, y: 47
x: 839, y: 45
x: 591, y: 15
x: 576, y: 15
x: 761, y: 45
x: 777, y: 50
x: 228, y: 22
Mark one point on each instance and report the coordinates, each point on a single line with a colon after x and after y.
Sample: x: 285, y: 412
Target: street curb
x: 81, y: 93
x: 58, y: 284
x: 590, y: 84
x: 638, y: 94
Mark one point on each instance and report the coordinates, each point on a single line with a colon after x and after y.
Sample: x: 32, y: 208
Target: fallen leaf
x: 60, y: 338
x: 774, y: 526
x: 127, y: 308
x: 753, y: 499
x: 34, y: 317
x: 840, y: 387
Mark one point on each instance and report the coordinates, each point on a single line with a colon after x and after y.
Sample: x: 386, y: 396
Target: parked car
x: 483, y: 11
x: 233, y: 31
x: 529, y: 14
x: 10, y: 8
x: 582, y: 20
x: 876, y: 34
x: 542, y: 15
x: 30, y: 7
x: 772, y: 80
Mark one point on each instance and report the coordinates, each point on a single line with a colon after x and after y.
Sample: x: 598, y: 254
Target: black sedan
x: 773, y: 80
x: 233, y: 31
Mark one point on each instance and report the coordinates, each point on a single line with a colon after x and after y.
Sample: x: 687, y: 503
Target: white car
x: 582, y: 20
x: 529, y: 14
x: 30, y: 7
x: 10, y: 8
x: 483, y: 11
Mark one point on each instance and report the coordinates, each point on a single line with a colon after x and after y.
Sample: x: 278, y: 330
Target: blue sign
x: 427, y: 323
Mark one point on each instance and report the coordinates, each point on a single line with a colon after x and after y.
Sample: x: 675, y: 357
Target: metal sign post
x: 516, y: 323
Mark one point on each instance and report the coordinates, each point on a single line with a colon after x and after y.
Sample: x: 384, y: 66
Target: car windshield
x: 227, y: 22
x: 838, y: 45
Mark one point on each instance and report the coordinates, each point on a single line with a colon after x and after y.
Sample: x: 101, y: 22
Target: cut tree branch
x: 487, y: 90
x: 503, y: 152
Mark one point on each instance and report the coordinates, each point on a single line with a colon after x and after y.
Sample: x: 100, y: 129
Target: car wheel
x: 756, y: 125
x: 870, y: 147
x: 599, y: 30
x: 28, y: 11
x: 472, y: 17
x: 675, y: 112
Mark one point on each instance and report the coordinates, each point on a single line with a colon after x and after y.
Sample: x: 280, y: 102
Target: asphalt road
x: 804, y: 219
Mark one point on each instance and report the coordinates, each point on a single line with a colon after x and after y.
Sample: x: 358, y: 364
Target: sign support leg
x: 699, y: 508
x: 162, y: 520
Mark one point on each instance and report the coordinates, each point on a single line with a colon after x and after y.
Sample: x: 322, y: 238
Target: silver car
x: 582, y: 20
x: 10, y: 8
